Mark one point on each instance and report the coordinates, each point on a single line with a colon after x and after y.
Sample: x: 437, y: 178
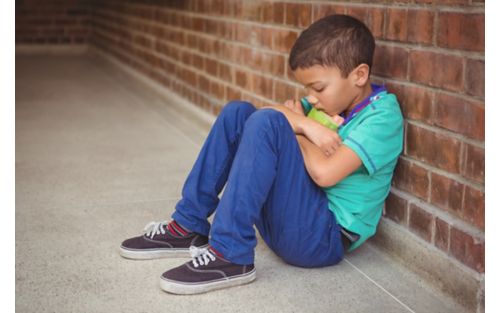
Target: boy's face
x: 335, y: 93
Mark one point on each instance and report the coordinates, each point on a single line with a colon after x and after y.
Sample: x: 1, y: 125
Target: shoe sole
x: 143, y: 254
x: 179, y: 288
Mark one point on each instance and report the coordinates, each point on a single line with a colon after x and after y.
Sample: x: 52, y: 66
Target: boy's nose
x: 312, y: 99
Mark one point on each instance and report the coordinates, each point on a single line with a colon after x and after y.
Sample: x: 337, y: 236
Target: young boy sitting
x: 312, y: 193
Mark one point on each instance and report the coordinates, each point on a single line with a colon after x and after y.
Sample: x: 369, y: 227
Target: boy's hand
x: 326, y: 139
x: 292, y: 114
x: 295, y: 106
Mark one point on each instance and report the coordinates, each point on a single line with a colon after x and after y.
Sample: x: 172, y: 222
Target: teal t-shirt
x: 375, y: 134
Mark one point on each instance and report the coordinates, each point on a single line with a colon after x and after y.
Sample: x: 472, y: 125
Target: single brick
x: 473, y: 166
x: 232, y: 93
x: 423, y: 33
x: 267, y: 12
x: 217, y: 90
x: 467, y: 249
x: 262, y: 86
x: 359, y: 12
x: 283, y: 91
x: 421, y: 222
x: 396, y: 209
x: 460, y: 115
x: 396, y: 24
x: 298, y: 14
x: 250, y: 10
x: 417, y: 103
x: 442, y: 236
x: 447, y: 193
x: 242, y: 79
x: 322, y: 10
x: 283, y: 40
x: 390, y: 62
x: 211, y: 68
x: 203, y: 83
x: 474, y: 77
x: 461, y: 31
x: 412, y: 178
x: 376, y: 21
x: 435, y: 149
x: 226, y: 72
x: 277, y: 66
x: 473, y: 210
x: 279, y: 12
x: 437, y: 70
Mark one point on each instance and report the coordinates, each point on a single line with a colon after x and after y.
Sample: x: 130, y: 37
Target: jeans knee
x: 264, y: 119
x: 236, y: 108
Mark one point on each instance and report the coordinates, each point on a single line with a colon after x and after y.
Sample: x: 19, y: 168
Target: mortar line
x: 379, y: 286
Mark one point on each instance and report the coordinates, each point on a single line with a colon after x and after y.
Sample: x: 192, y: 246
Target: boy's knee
x: 236, y: 107
x: 265, y: 118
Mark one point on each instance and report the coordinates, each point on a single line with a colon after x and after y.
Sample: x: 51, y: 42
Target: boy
x: 312, y: 193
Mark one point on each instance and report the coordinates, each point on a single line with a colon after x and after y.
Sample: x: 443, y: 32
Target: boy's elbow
x: 323, y: 180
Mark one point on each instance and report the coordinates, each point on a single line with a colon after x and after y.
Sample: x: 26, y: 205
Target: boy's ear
x: 360, y: 75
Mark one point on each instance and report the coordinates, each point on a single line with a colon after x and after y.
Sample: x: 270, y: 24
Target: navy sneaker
x: 207, y: 271
x: 162, y: 240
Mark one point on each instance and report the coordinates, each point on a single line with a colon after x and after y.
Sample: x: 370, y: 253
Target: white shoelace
x: 155, y: 228
x: 201, y: 256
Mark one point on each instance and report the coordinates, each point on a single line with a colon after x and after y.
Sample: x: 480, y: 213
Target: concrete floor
x: 98, y: 156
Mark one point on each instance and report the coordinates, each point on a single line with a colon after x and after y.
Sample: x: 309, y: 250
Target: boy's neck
x: 365, y: 92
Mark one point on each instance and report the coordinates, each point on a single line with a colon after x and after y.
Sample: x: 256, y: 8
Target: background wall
x: 52, y: 21
x: 429, y: 53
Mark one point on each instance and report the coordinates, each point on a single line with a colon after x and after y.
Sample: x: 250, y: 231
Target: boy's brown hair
x: 335, y: 40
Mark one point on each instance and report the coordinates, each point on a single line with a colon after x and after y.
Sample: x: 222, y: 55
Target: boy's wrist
x: 302, y: 125
x: 307, y: 126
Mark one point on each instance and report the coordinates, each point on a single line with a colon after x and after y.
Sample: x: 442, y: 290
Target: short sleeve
x: 378, y: 138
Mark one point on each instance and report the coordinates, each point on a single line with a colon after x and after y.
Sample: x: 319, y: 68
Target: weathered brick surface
x: 447, y: 193
x: 396, y: 208
x: 437, y: 70
x: 436, y: 149
x: 412, y: 178
x: 429, y: 53
x: 474, y: 77
x: 397, y: 24
x: 473, y: 164
x: 467, y: 249
x: 461, y: 31
x: 421, y: 222
x: 424, y: 32
x: 459, y: 115
x: 390, y: 61
x: 473, y: 206
x: 417, y: 103
x: 442, y: 236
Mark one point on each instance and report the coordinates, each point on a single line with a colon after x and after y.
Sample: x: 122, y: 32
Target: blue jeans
x: 255, y: 154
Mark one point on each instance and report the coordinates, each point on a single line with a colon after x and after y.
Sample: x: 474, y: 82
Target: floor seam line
x: 379, y: 286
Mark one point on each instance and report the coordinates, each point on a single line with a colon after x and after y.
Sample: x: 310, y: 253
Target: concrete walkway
x: 98, y: 156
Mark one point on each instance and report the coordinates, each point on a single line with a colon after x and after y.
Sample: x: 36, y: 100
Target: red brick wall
x: 430, y: 53
x: 52, y: 21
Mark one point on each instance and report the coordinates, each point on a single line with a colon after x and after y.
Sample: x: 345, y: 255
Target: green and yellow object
x: 319, y: 116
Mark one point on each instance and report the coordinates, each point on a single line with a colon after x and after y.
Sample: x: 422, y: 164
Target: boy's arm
x: 328, y: 171
x: 326, y: 139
